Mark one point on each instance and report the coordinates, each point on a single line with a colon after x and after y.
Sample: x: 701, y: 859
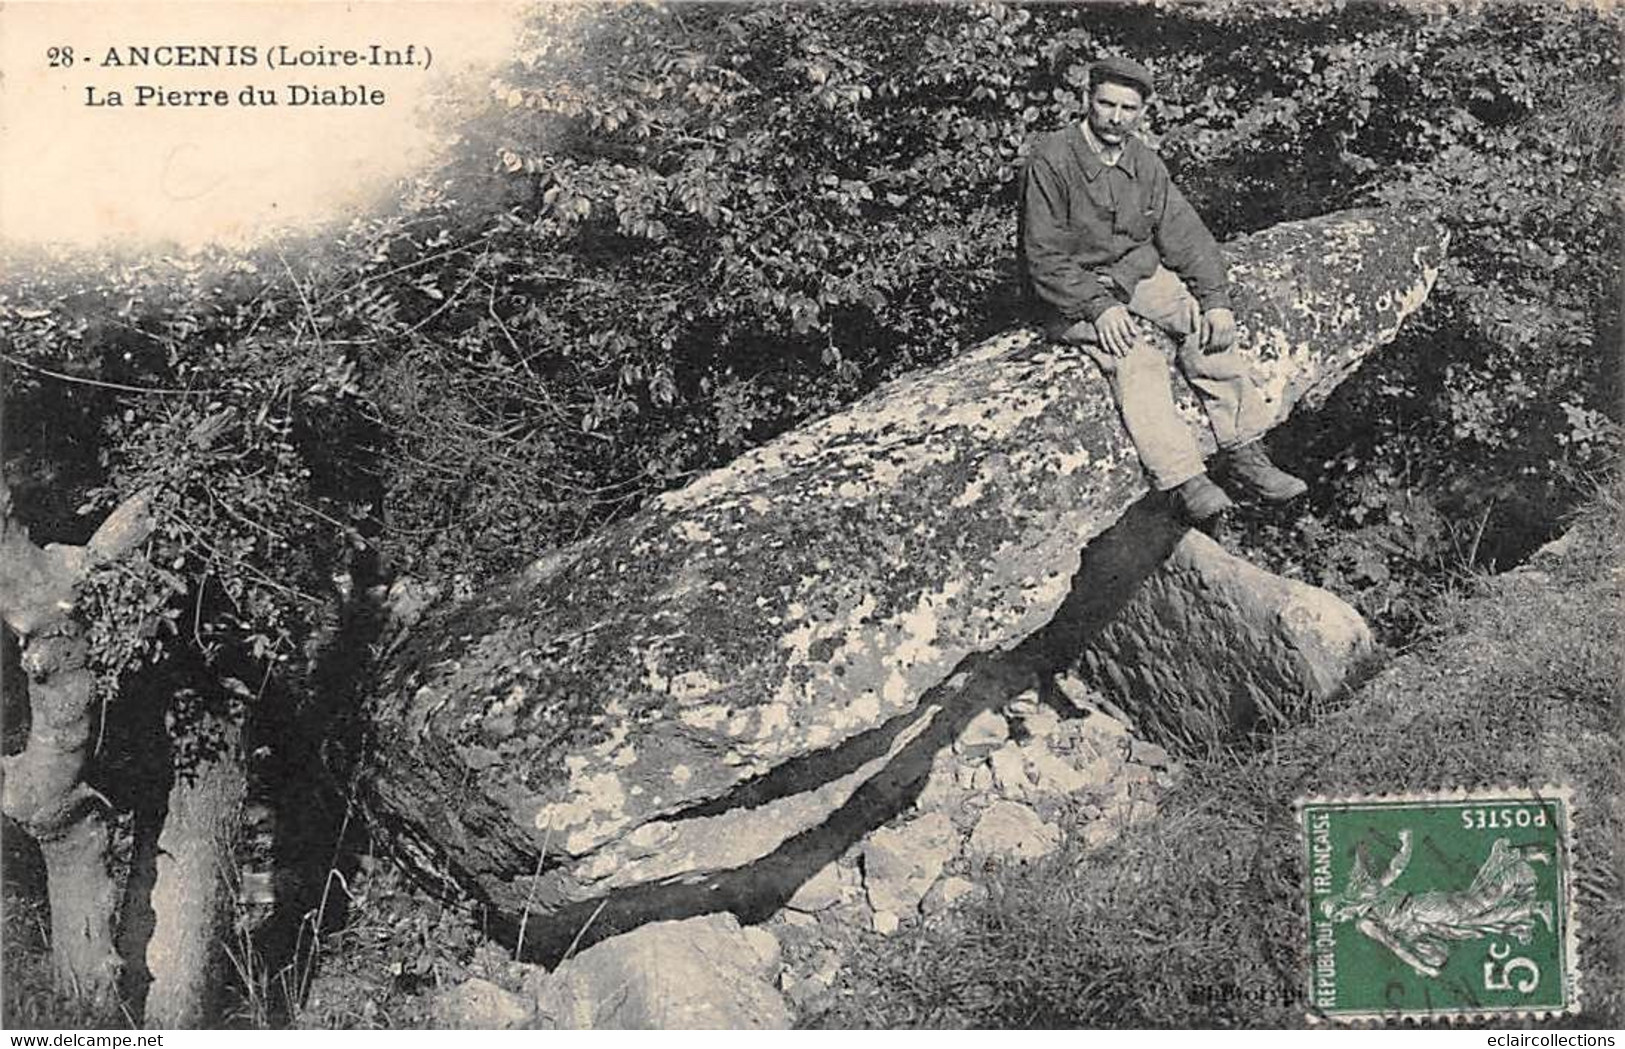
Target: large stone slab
x: 1208, y: 646
x: 701, y: 684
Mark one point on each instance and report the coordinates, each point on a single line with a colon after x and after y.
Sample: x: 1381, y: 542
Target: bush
x: 721, y: 220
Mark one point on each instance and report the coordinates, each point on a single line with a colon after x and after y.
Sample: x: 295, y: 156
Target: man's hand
x: 1116, y: 330
x: 1218, y: 330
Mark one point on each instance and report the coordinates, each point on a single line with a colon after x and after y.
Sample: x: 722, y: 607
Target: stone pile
x: 1003, y: 793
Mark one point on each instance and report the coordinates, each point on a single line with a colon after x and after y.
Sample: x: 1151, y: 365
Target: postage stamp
x: 1438, y: 906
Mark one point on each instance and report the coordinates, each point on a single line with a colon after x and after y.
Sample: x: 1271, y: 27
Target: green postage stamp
x: 1449, y: 905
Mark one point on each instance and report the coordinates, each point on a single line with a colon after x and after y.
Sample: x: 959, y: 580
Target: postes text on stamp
x: 1452, y: 905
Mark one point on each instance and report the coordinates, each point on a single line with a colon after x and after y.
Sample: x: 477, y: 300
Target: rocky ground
x: 1005, y: 792
x: 1047, y: 859
x: 1050, y: 859
x: 1010, y: 789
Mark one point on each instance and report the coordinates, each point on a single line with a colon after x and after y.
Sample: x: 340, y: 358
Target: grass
x: 1195, y: 920
x: 29, y: 999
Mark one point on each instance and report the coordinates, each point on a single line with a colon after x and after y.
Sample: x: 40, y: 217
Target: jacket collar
x: 1087, y: 150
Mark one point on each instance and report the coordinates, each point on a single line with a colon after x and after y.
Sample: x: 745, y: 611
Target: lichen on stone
x: 821, y: 584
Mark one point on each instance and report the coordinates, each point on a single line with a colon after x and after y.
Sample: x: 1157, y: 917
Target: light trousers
x: 1140, y: 384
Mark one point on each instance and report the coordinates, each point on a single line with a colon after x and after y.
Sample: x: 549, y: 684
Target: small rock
x: 1558, y: 548
x: 981, y: 778
x: 826, y: 966
x: 807, y: 994
x: 699, y: 973
x: 1050, y: 807
x: 947, y: 892
x: 1106, y: 731
x: 1066, y: 734
x: 767, y: 949
x: 1012, y: 831
x: 1097, y: 774
x: 941, y: 784
x: 899, y: 864
x: 1054, y: 774
x: 1127, y: 774
x: 1144, y: 753
x: 967, y: 814
x: 481, y: 1005
x: 1099, y: 832
x: 886, y: 922
x: 1076, y: 692
x: 1043, y: 723
x: 986, y: 729
x: 799, y: 919
x: 809, y: 986
x: 1009, y: 767
x: 821, y: 891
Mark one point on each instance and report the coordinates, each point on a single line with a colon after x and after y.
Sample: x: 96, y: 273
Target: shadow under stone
x: 1113, y: 568
x: 755, y: 891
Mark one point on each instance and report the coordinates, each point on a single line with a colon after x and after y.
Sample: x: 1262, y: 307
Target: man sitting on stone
x: 1105, y: 236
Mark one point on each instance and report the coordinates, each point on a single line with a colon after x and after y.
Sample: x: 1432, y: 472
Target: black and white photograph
x: 606, y: 515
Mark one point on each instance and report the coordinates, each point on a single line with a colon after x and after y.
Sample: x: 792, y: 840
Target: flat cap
x: 1122, y: 70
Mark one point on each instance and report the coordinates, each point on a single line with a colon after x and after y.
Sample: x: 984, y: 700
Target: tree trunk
x: 190, y: 903
x: 43, y: 786
x: 84, y: 906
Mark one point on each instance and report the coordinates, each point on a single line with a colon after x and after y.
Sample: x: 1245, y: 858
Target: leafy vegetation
x: 670, y: 232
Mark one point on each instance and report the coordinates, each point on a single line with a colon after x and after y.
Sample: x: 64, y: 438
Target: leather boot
x: 1251, y: 465
x: 1199, y: 499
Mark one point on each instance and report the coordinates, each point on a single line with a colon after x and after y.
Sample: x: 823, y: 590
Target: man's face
x: 1114, y: 111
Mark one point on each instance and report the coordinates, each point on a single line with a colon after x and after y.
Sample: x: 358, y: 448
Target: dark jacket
x: 1082, y: 218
